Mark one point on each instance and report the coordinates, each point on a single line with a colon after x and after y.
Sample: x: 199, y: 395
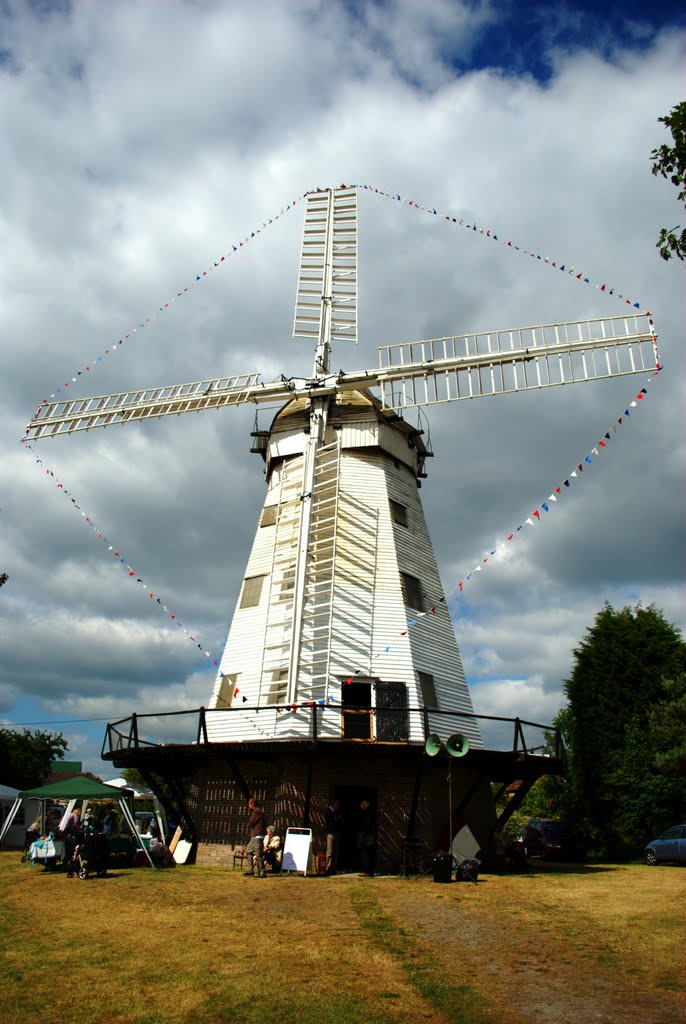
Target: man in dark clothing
x: 333, y: 825
x: 110, y: 822
x: 253, y: 851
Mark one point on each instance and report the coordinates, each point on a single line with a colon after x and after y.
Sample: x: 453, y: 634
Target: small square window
x: 412, y: 591
x: 399, y: 512
x: 252, y: 591
x: 428, y: 690
x: 269, y: 515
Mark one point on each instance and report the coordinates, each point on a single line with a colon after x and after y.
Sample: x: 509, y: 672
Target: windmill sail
x: 518, y: 359
x: 327, y: 281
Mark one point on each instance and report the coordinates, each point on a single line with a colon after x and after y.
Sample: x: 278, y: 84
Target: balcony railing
x: 318, y: 723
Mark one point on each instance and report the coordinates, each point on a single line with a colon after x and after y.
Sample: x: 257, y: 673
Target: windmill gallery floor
x: 557, y: 946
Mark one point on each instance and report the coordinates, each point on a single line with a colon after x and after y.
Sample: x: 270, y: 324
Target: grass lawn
x: 197, y: 945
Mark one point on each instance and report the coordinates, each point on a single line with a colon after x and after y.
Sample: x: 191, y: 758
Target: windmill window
x: 412, y: 591
x: 269, y: 515
x: 428, y: 689
x: 226, y: 688
x: 278, y: 688
x: 399, y: 513
x: 252, y: 591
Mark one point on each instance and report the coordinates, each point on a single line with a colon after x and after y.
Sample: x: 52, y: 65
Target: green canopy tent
x: 80, y: 787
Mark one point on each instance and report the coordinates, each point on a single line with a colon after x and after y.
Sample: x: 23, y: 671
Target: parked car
x: 546, y: 838
x: 671, y: 846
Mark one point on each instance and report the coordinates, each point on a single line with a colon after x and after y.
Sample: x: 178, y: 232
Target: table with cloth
x: 47, y: 851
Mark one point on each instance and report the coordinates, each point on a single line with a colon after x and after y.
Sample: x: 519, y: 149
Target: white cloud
x: 139, y: 147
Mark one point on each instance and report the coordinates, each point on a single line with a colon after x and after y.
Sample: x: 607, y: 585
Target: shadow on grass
x: 552, y: 867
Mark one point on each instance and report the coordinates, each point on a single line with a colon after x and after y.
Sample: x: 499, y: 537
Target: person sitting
x: 272, y: 849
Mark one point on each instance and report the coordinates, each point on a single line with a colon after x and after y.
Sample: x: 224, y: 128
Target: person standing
x: 333, y: 826
x: 254, y: 850
x: 110, y: 822
x: 366, y: 839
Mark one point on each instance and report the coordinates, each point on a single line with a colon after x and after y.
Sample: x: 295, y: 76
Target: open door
x: 356, y: 701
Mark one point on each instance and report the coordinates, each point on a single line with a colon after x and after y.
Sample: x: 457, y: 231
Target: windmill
x: 341, y: 614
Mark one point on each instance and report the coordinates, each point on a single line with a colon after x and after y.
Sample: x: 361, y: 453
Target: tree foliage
x: 667, y: 723
x: 624, y: 784
x: 3, y: 578
x: 25, y: 757
x: 670, y: 162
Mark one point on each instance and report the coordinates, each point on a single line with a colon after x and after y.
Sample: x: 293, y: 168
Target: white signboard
x: 465, y: 846
x: 296, y: 850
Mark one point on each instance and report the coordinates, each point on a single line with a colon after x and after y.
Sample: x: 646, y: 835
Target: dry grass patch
x: 560, y: 944
x: 207, y: 946
x: 199, y: 944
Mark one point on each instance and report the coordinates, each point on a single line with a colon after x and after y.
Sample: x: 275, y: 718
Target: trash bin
x: 443, y: 865
x: 467, y: 871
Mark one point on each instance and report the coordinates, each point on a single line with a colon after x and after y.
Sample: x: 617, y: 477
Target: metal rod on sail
x: 319, y: 408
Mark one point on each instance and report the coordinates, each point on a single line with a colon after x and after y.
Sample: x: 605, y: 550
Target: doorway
x: 351, y: 797
x: 356, y: 701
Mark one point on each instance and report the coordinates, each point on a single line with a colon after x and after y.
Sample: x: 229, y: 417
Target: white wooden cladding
x: 329, y: 240
x: 355, y: 620
x: 518, y: 359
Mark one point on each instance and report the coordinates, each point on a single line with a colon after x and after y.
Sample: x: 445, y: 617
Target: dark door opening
x: 351, y: 797
x: 356, y: 699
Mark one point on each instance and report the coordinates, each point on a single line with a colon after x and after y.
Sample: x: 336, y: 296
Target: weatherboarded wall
x: 412, y: 795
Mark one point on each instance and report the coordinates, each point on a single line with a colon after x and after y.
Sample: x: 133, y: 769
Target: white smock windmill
x: 341, y: 608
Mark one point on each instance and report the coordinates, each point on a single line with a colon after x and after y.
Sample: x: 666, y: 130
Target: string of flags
x: 490, y: 233
x: 154, y: 314
x: 535, y: 517
x: 111, y: 547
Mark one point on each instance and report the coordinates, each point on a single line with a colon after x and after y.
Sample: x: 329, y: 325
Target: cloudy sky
x: 141, y: 141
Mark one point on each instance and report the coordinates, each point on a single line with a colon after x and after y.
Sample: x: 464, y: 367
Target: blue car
x: 670, y: 846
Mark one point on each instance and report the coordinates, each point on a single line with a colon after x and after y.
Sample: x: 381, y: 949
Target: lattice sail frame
x: 409, y: 375
x: 518, y: 359
x: 329, y: 244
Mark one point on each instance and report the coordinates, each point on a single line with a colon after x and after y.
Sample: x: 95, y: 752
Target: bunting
x: 155, y: 313
x: 534, y: 518
x: 491, y: 234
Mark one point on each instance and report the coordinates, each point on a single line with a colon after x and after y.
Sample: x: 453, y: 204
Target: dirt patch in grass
x: 207, y: 946
x: 558, y: 946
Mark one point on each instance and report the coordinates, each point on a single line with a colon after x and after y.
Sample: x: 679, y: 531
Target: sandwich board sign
x: 296, y: 850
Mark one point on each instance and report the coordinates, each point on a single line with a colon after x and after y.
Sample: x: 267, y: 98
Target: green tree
x: 670, y: 162
x: 667, y: 725
x: 25, y: 757
x: 617, y: 787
